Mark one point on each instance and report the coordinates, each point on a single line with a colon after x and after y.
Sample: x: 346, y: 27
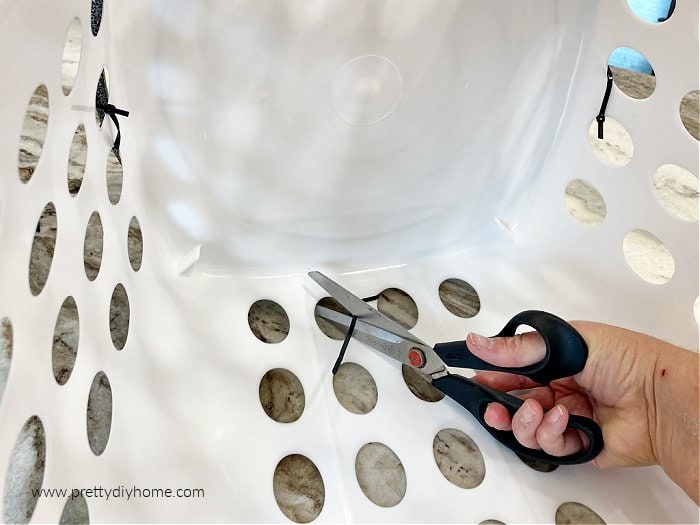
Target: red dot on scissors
x: 415, y: 357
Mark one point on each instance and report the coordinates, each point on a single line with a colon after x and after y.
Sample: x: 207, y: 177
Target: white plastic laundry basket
x: 387, y: 143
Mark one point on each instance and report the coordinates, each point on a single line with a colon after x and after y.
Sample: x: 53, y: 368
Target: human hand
x: 625, y: 387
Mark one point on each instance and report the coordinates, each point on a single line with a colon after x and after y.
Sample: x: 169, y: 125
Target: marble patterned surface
x: 690, y: 107
x: 115, y: 178
x: 298, y: 488
x: 355, y: 388
x: 134, y: 239
x: 99, y: 413
x: 459, y: 459
x: 33, y: 135
x: 25, y: 472
x: 5, y: 352
x: 93, y: 246
x: 43, y: 247
x: 632, y: 83
x: 281, y: 395
x: 380, y: 474
x: 75, y: 512
x: 585, y: 203
x: 65, y: 341
x: 268, y: 321
x: 574, y: 513
x: 459, y: 297
x: 77, y: 159
x: 119, y: 316
x: 71, y: 56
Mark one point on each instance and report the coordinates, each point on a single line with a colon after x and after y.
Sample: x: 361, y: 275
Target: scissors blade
x: 360, y: 309
x: 387, y: 342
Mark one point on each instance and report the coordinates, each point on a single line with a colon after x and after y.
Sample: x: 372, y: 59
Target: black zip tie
x: 600, y: 119
x: 348, y: 335
x: 671, y: 9
x: 113, y: 111
x: 343, y: 348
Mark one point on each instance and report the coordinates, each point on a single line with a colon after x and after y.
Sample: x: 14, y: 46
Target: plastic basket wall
x: 390, y: 144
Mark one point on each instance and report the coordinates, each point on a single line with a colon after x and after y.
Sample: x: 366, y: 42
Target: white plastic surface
x: 392, y: 143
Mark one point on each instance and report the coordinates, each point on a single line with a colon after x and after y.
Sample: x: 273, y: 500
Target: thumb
x: 520, y: 350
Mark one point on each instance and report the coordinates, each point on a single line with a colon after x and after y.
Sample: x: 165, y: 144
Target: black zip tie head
x: 600, y: 119
x: 112, y: 111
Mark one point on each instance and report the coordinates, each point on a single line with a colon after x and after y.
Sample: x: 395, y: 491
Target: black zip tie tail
x: 346, y: 341
x: 113, y: 111
x: 671, y: 9
x: 600, y: 118
x: 348, y: 335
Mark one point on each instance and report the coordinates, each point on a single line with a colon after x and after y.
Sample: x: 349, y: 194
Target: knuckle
x: 550, y: 440
x: 525, y: 436
x: 512, y: 344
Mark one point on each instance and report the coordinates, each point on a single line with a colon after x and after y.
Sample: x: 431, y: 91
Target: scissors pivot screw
x: 416, y: 358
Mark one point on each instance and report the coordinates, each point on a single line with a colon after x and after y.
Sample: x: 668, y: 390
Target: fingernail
x: 526, y: 413
x: 556, y: 413
x: 480, y: 341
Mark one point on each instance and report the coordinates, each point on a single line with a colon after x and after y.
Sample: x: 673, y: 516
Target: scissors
x: 566, y: 354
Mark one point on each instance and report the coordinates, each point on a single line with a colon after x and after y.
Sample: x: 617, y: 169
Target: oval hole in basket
x: 282, y: 395
x: 651, y: 11
x: 419, y: 385
x: 33, y: 135
x: 690, y: 113
x: 77, y: 158
x: 329, y: 328
x: 75, y: 511
x: 459, y: 297
x: 573, y: 512
x: 96, y: 16
x: 43, y: 247
x: 398, y: 306
x: 298, y: 488
x: 93, y: 246
x: 380, y: 474
x: 268, y: 321
x: 134, y: 241
x: 677, y: 191
x: 99, y: 413
x: 355, y: 388
x: 5, y: 353
x: 25, y: 473
x: 647, y: 256
x: 459, y: 459
x: 101, y: 96
x: 585, y: 203
x: 66, y: 335
x: 119, y: 316
x: 115, y: 178
x: 71, y: 55
x: 616, y: 149
x: 632, y: 73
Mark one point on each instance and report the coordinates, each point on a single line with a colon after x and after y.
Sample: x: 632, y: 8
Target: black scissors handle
x: 566, y: 354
